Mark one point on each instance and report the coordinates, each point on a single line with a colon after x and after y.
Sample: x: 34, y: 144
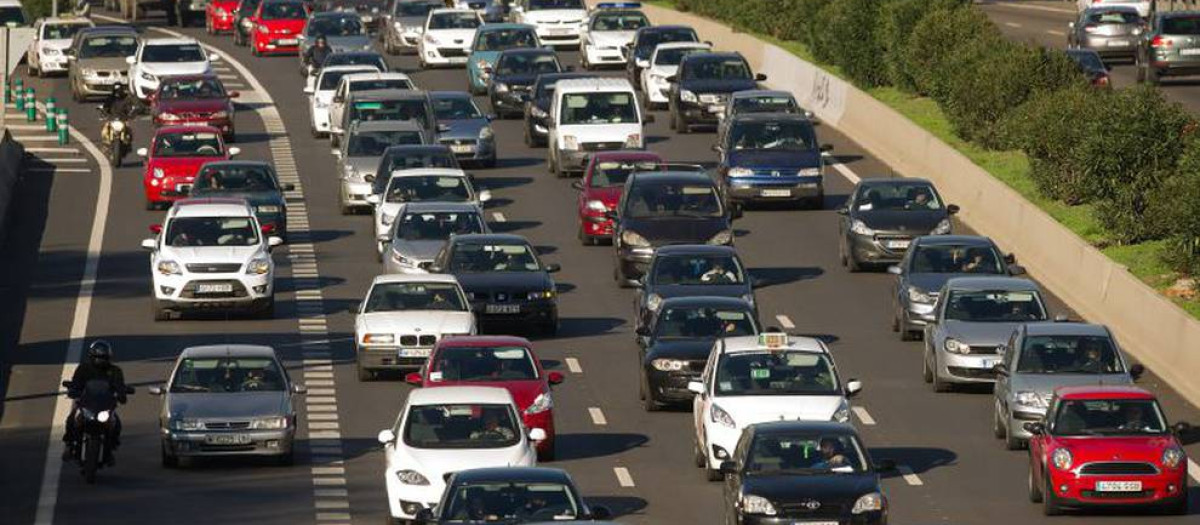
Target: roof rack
x: 619, y: 5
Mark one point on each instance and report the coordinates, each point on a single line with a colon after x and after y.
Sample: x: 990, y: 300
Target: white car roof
x: 460, y: 395
x: 66, y: 20
x: 415, y: 278
x: 10, y: 3
x: 451, y: 10
x: 375, y: 75
x: 169, y: 41
x: 753, y: 343
x: 683, y: 45
x: 214, y: 207
x: 578, y: 85
x: 424, y: 172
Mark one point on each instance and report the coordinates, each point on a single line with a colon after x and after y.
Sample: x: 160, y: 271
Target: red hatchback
x: 600, y: 189
x: 218, y: 16
x: 174, y: 157
x: 277, y: 27
x: 500, y: 361
x: 1107, y: 447
x: 197, y: 100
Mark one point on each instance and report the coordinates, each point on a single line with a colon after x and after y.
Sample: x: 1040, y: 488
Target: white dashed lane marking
x: 498, y: 217
x: 623, y: 476
x: 785, y: 322
x: 573, y: 365
x: 1056, y: 33
x: 1012, y: 24
x: 597, y: 416
x: 862, y: 415
x: 910, y: 477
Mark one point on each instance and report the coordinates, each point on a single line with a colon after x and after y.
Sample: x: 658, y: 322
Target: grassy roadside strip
x: 1011, y: 167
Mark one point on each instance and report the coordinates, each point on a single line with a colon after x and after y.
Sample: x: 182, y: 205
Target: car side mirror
x: 386, y: 436
x: 853, y: 387
x: 577, y: 185
x: 130, y: 60
x: 299, y: 389
x: 413, y: 378
x: 235, y: 94
x: 485, y: 196
x: 553, y: 268
x: 1136, y: 371
x: 1034, y: 427
x: 308, y: 90
x: 235, y: 151
x: 886, y: 465
x: 1010, y: 258
x: 1000, y: 369
x: 826, y: 147
x: 695, y: 387
x: 600, y: 512
x: 555, y: 378
x: 537, y: 434
x: 142, y: 152
x: 1016, y: 269
x: 760, y: 77
x: 953, y: 209
x: 374, y: 199
x: 1181, y: 428
x: 274, y: 241
x: 149, y: 244
x: 287, y: 186
x: 728, y: 468
x: 156, y: 391
x: 894, y: 270
x: 843, y: 211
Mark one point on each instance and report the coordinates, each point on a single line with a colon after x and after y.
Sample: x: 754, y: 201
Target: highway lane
x: 944, y: 439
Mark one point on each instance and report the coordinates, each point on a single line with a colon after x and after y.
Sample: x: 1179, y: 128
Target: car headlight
x: 399, y: 27
x: 400, y: 259
x: 596, y: 206
x: 719, y: 415
x: 158, y: 173
x: 148, y: 77
x: 188, y: 425
x: 842, y: 414
x: 537, y: 112
x: 721, y: 238
x: 942, y: 228
x: 868, y: 503
x: 541, y: 294
x: 752, y: 504
x: 430, y: 39
x: 654, y: 302
x: 51, y: 51
x: 387, y: 219
x: 501, y: 87
x: 860, y: 228
x: 688, y: 96
x: 1061, y: 459
x: 809, y: 172
x: 1031, y: 399
x: 634, y: 239
x: 169, y: 268
x: 267, y: 209
x: 259, y: 266
x: 169, y: 117
x: 740, y: 172
x: 542, y: 403
x: 1173, y: 457
x: 668, y: 365
x: 411, y: 477
x: 486, y: 133
x: 918, y: 295
x: 88, y: 73
x: 268, y: 423
x: 633, y: 141
x: 247, y: 23
x: 379, y: 339
x: 955, y: 346
x: 365, y: 47
x: 570, y: 143
x: 321, y: 104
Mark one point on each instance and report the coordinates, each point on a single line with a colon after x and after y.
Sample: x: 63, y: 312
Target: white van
x: 589, y: 115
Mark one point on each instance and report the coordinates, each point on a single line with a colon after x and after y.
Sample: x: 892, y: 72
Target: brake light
x: 1090, y: 28
x: 1159, y: 41
x: 1102, y: 81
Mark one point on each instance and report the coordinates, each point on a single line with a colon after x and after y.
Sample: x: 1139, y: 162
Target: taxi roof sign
x: 773, y: 340
x: 619, y: 5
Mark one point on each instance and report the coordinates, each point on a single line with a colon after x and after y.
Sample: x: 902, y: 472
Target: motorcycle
x: 95, y: 416
x: 117, y: 137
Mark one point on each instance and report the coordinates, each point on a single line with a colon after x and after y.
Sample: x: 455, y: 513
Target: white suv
x: 589, y: 115
x: 211, y: 254
x: 160, y: 57
x: 448, y: 37
x: 758, y: 378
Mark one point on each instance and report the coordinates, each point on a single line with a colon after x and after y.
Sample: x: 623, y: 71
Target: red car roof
x: 186, y: 128
x: 485, y: 340
x: 626, y: 155
x: 1103, y: 392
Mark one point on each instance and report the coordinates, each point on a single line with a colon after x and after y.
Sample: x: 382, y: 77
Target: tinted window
x: 461, y: 426
x: 496, y: 363
x: 436, y: 188
x: 171, y: 54
x: 717, y: 69
x: 108, y: 47
x: 374, y: 143
x: 199, y: 144
x: 804, y: 453
x: 335, y: 26
x: 396, y: 109
x: 330, y: 79
x: 455, y: 108
x: 650, y: 199
x: 469, y: 257
x: 436, y: 226
x: 619, y: 22
x: 186, y: 232
x: 501, y: 39
x: 955, y: 259
x: 1181, y: 25
x: 527, y: 64
x: 599, y: 108
x: 1069, y: 354
x: 767, y: 135
x: 672, y: 57
x: 775, y: 373
x: 511, y: 502
x: 61, y: 31
x: 235, y: 178
x: 399, y: 297
x: 897, y: 196
x: 1108, y: 417
x: 697, y: 270
x: 220, y: 375
x: 704, y: 323
x: 199, y: 88
x: 995, y: 307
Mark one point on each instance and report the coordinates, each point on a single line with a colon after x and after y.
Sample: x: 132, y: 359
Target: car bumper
x: 246, y: 292
x: 444, y: 56
x: 958, y: 368
x: 1081, y: 491
x: 775, y: 189
x: 256, y: 443
x: 276, y: 46
x: 391, y: 357
x: 1110, y: 46
x: 702, y: 113
x: 355, y: 193
x: 866, y: 518
x: 558, y: 36
x: 669, y: 387
x: 404, y: 501
x: 596, y: 226
x: 57, y: 64
x: 873, y: 249
x: 604, y: 57
x: 634, y: 262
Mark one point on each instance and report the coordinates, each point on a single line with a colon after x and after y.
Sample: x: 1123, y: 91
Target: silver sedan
x: 1112, y: 31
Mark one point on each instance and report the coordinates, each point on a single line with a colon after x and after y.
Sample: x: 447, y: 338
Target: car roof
x: 388, y: 94
x: 440, y: 207
x: 695, y: 249
x: 236, y: 350
x: 485, y: 340
x: 592, y: 84
x: 700, y: 301
x: 211, y: 207
x: 460, y: 394
x: 414, y: 278
x: 670, y: 177
x: 753, y: 93
x: 788, y: 427
x: 1103, y: 392
x: 1066, y: 328
x: 513, y: 474
x: 168, y: 41
x: 771, y: 117
x: 625, y: 154
x: 1111, y: 7
x: 486, y: 238
x: 950, y: 240
x: 750, y: 343
x: 184, y: 128
x: 425, y: 172
x: 980, y: 284
x: 385, y: 125
x: 505, y: 25
x: 450, y: 10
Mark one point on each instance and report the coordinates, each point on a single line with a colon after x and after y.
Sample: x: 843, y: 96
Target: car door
x: 701, y: 401
x: 1011, y: 354
x: 846, y: 219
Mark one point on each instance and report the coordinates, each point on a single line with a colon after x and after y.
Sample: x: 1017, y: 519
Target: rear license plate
x: 1189, y: 52
x: 502, y: 309
x: 287, y: 42
x: 898, y: 245
x: 414, y: 352
x: 227, y: 439
x: 214, y: 288
x: 1118, y: 486
x: 462, y: 148
x: 776, y: 193
x: 1118, y: 43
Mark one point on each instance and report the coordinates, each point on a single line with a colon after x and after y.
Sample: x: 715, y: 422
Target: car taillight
x: 1102, y: 81
x: 1090, y: 28
x: 1159, y: 41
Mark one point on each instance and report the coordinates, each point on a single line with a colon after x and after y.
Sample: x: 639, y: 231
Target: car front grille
x: 601, y: 146
x: 803, y: 511
x: 1118, y: 468
x: 714, y: 98
x: 237, y: 290
x: 984, y: 350
x: 226, y: 425
x: 214, y: 268
x: 418, y: 340
x: 972, y: 373
x: 452, y: 52
x: 1092, y: 494
x: 459, y: 142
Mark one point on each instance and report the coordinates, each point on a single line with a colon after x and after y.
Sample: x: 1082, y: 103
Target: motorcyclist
x: 120, y: 105
x: 315, y: 56
x: 98, y: 366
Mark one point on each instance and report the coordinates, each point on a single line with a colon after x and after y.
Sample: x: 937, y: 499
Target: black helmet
x: 100, y: 352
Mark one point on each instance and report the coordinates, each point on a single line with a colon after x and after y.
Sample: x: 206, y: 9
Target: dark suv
x: 702, y: 86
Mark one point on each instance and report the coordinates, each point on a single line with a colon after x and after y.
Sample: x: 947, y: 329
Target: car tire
x: 548, y: 455
x: 939, y: 386
x: 1012, y: 442
x: 268, y: 312
x: 997, y: 426
x: 648, y: 402
x: 286, y: 460
x: 1035, y: 489
x: 364, y: 374
x: 1050, y: 505
x: 926, y: 371
x: 159, y: 313
x: 168, y: 460
x: 852, y: 263
x: 713, y: 475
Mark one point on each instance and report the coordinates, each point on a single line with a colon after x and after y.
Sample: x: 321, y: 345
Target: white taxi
x: 403, y: 317
x: 754, y: 379
x: 52, y: 36
x: 320, y: 95
x: 447, y: 429
x: 608, y: 30
x: 448, y: 36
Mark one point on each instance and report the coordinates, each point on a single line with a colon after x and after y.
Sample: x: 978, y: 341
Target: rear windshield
x: 108, y: 47
x: 719, y: 69
x: 501, y: 39
x: 404, y: 109
x: 374, y: 143
x: 284, y: 11
x: 1114, y: 16
x: 171, y: 54
x: 1181, y: 25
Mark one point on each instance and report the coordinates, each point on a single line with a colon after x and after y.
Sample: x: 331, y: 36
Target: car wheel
x: 1035, y: 489
x: 698, y: 458
x: 1012, y: 442
x: 713, y: 475
x: 852, y: 263
x: 159, y: 313
x: 997, y: 426
x: 939, y: 385
x: 926, y: 371
x: 546, y: 455
x: 1050, y: 500
x: 286, y: 460
x: 268, y: 311
x: 648, y: 402
x: 168, y: 460
x: 364, y: 373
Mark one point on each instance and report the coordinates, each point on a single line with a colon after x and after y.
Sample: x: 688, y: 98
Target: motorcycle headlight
x: 158, y: 173
x: 148, y: 77
x: 1031, y: 399
x: 668, y: 365
x: 268, y: 423
x: 596, y: 206
x: 860, y: 228
x: 387, y: 219
x: 955, y: 346
x: 918, y: 295
x: 104, y: 416
x: 267, y: 209
x: 634, y: 239
x: 942, y: 228
x: 188, y: 425
x: 719, y: 415
x: 411, y: 477
x: 633, y: 141
x: 1061, y: 459
x: 740, y: 172
x: 868, y: 503
x: 260, y: 266
x: 247, y: 23
x: 842, y: 414
x: 379, y: 339
x: 752, y: 504
x: 809, y: 172
x: 570, y: 143
x: 721, y: 238
x: 117, y: 125
x: 654, y: 302
x: 537, y: 112
x: 169, y: 268
x: 501, y: 87
x: 486, y: 133
x: 688, y: 96
x: 1173, y: 457
x: 540, y: 294
x: 541, y: 404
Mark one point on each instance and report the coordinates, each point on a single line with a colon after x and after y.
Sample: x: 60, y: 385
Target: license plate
x: 462, y: 148
x: 367, y: 19
x: 1118, y: 486
x: 776, y: 193
x: 287, y: 42
x: 559, y: 31
x: 502, y: 309
x: 227, y: 439
x: 1189, y: 52
x: 1118, y: 43
x: 898, y: 245
x: 183, y: 188
x: 414, y: 352
x: 214, y: 288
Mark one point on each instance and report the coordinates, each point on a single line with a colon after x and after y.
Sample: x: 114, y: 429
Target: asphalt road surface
x: 638, y: 464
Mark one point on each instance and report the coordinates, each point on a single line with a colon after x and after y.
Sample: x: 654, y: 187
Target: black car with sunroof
x: 537, y: 107
x: 513, y: 77
x: 511, y: 495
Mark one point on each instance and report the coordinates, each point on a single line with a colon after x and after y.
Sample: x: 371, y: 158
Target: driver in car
x: 718, y: 274
x: 492, y: 431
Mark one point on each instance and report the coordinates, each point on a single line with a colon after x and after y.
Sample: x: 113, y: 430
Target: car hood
x: 693, y: 349
x: 1086, y: 449
x: 828, y: 489
x: 255, y: 198
x: 467, y: 128
x: 611, y: 38
x: 985, y: 334
x: 523, y: 392
x: 57, y: 43
x: 411, y: 21
x: 693, y: 290
x: 226, y: 406
x: 210, y: 254
x: 453, y: 37
x: 930, y: 282
x: 718, y: 86
x: 664, y: 70
x: 363, y: 165
x: 411, y: 321
x: 420, y: 250
x: 681, y: 230
x: 913, y: 222
x: 435, y: 463
x: 554, y: 15
x: 1046, y: 383
x: 768, y: 159
x: 515, y: 281
x: 104, y: 64
x: 348, y: 43
x: 522, y: 79
x: 487, y: 56
x: 176, y: 68
x: 181, y: 165
x: 747, y: 410
x: 195, y: 105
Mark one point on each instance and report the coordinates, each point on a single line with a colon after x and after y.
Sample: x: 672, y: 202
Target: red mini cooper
x: 499, y: 361
x: 173, y: 159
x: 600, y: 189
x: 1107, y: 446
x: 277, y: 26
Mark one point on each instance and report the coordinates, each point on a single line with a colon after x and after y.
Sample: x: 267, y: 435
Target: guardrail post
x: 51, y: 112
x: 30, y: 105
x: 63, y: 127
x: 19, y: 93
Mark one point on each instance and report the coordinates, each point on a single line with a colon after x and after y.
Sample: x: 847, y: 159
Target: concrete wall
x: 12, y: 154
x: 1150, y: 327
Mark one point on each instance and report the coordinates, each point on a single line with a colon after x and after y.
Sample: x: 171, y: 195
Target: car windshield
x: 335, y: 26
x: 768, y: 135
x: 717, y: 69
x: 192, y: 232
x: 415, y: 9
x: 650, y: 39
x: 188, y: 144
x: 765, y: 104
x: 599, y: 108
x: 995, y: 306
x: 225, y: 375
x: 284, y: 11
x: 461, y: 426
x: 898, y: 196
x: 949, y: 258
x: 374, y: 143
x: 61, y: 31
x: 330, y: 79
x: 535, y: 5
x: 672, y: 57
x: 703, y: 323
x: 1113, y: 16
x: 651, y: 199
x: 455, y: 108
x: 473, y: 258
x: 173, y: 53
x: 775, y: 373
x: 432, y: 188
x: 619, y: 22
x: 501, y: 39
x: 455, y: 20
x: 235, y: 179
x: 697, y: 270
x: 436, y: 226
x: 527, y: 64
x: 804, y: 453
x: 190, y: 89
x: 612, y: 173
x: 1069, y: 354
x: 356, y: 59
x: 108, y: 47
x: 479, y: 363
x: 247, y: 7
x: 407, y: 160
x: 1108, y: 417
x: 402, y: 297
x: 510, y: 502
x: 1088, y: 60
x: 1181, y: 25
x: 396, y: 109
x: 379, y: 83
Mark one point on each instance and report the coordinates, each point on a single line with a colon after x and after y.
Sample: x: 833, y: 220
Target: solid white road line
x: 1019, y: 5
x: 1193, y: 470
x: 59, y: 170
x: 1056, y: 33
x: 498, y: 217
x: 597, y: 416
x: 785, y: 322
x: 623, y: 476
x: 1012, y: 24
x: 862, y: 415
x: 910, y: 477
x: 573, y: 365
x: 842, y: 168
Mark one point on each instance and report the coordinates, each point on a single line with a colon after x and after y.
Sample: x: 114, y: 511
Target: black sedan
x: 504, y: 279
x: 537, y: 108
x: 772, y: 158
x: 667, y: 207
x: 702, y: 86
x: 883, y: 216
x: 675, y: 343
x: 691, y: 270
x: 251, y: 180
x: 513, y: 77
x: 511, y: 495
x: 803, y: 472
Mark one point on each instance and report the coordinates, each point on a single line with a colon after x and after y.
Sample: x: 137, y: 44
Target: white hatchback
x: 161, y: 57
x: 320, y: 95
x: 52, y: 36
x: 558, y: 22
x: 448, y: 36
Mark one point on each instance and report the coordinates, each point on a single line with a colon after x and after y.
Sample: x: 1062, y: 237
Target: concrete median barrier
x: 12, y: 154
x: 1149, y: 326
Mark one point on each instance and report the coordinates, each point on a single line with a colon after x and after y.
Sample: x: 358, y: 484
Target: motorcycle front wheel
x: 115, y: 154
x: 91, y: 457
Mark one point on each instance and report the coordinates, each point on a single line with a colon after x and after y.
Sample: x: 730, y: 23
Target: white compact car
x: 52, y: 36
x: 663, y: 64
x: 1142, y: 6
x: 444, y: 430
x: 403, y: 317
x: 768, y: 377
x: 558, y: 22
x: 160, y: 57
x: 590, y: 115
x: 211, y: 254
x: 320, y: 95
x: 448, y: 36
x: 365, y: 81
x: 421, y: 185
x: 608, y: 31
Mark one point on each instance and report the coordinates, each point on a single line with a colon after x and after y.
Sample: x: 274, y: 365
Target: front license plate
x: 287, y: 42
x: 898, y: 245
x: 227, y: 439
x: 414, y: 352
x: 462, y: 148
x: 1118, y: 486
x: 1118, y: 43
x: 559, y: 31
x: 502, y: 309
x: 776, y: 193
x: 1189, y: 52
x: 214, y: 288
